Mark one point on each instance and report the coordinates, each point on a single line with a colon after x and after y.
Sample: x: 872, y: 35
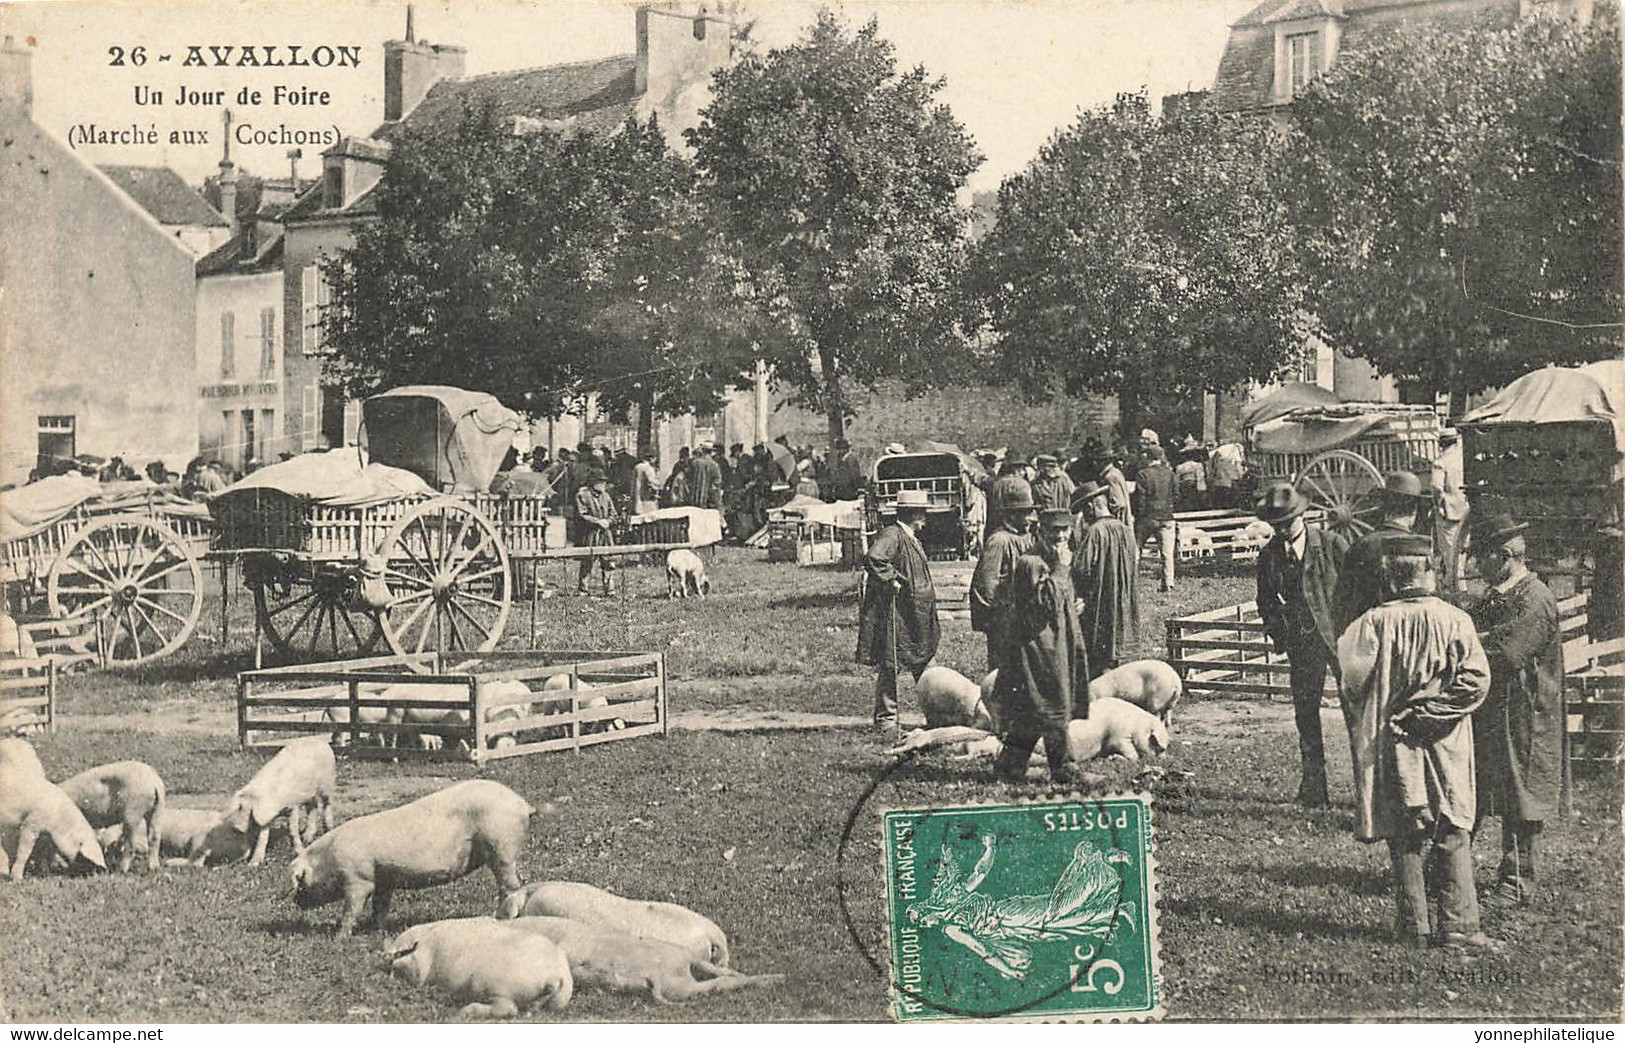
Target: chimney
x: 676, y: 51
x: 411, y: 67
x: 228, y: 182
x: 16, y: 77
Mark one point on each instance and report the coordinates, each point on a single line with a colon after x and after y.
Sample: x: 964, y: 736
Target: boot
x: 1312, y: 788
x: 1011, y: 766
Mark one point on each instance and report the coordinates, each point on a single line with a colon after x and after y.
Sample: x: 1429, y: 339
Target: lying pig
x: 685, y: 575
x: 609, y: 958
x: 501, y: 970
x: 660, y: 921
x: 949, y: 698
x: 31, y: 806
x: 1150, y: 684
x: 189, y: 836
x: 303, y: 773
x: 1112, y: 727
x: 433, y: 840
x: 126, y: 794
x: 561, y: 683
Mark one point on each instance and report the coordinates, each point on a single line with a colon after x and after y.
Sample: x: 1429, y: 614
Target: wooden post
x: 355, y: 714
x: 244, y: 688
x: 225, y: 610
x: 575, y: 708
x: 535, y: 584
x: 660, y: 690
x: 50, y: 696
x: 476, y: 714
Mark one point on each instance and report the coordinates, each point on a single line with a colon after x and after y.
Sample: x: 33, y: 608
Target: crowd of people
x: 1454, y: 714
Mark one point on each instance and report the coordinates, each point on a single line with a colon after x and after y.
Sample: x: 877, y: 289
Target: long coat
x: 993, y: 568
x: 910, y: 614
x: 706, y: 484
x: 1103, y: 575
x: 1520, y: 728
x: 1323, y: 559
x: 1419, y: 656
x: 1043, y: 665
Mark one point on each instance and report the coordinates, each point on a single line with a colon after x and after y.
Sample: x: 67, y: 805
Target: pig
x: 1113, y: 727
x: 18, y: 754
x: 302, y: 773
x: 561, y: 683
x: 685, y: 575
x: 660, y: 921
x: 1150, y: 684
x: 500, y: 969
x: 436, y: 723
x: 189, y: 836
x: 128, y: 794
x: 949, y: 698
x: 433, y: 840
x: 32, y: 806
x: 619, y: 961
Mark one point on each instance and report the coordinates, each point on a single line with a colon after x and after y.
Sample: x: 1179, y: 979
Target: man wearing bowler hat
x: 1519, y: 730
x: 897, y: 625
x: 1359, y: 586
x: 1297, y: 575
x: 1004, y: 545
x: 1104, y: 577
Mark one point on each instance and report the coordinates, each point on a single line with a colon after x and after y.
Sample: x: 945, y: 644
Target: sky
x: 1015, y: 71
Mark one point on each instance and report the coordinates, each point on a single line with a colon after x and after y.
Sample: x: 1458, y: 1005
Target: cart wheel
x: 315, y: 618
x: 448, y: 578
x: 1346, y: 486
x: 137, y: 579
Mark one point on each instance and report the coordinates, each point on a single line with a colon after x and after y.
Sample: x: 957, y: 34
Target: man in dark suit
x: 1359, y: 586
x: 1297, y: 579
x: 1154, y: 510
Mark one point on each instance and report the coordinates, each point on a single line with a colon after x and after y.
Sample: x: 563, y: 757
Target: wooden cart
x: 951, y: 531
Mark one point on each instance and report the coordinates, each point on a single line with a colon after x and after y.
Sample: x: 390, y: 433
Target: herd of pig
x: 544, y: 940
x: 1129, y: 710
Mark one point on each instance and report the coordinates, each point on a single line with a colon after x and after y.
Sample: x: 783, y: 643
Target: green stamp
x: 1042, y: 911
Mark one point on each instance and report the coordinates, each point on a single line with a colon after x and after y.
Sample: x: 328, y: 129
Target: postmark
x: 1042, y: 911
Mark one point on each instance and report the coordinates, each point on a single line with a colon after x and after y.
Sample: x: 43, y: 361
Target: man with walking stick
x: 897, y: 625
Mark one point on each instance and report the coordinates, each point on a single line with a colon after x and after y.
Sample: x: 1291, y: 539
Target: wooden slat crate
x: 274, y: 706
x: 805, y: 542
x: 952, y: 583
x: 28, y: 696
x: 1595, y: 705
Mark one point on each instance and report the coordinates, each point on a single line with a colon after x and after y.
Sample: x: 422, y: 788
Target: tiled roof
x: 233, y: 257
x: 161, y: 192
x: 1247, y: 68
x: 593, y: 95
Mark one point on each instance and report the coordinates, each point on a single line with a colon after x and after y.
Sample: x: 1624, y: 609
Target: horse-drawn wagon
x: 954, y: 519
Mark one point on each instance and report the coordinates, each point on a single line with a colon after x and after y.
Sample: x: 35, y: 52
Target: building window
x: 230, y: 443
x: 1311, y: 371
x: 228, y: 345
x: 310, y: 409
x: 249, y: 442
x: 267, y: 343
x: 1302, y: 61
x: 315, y: 299
x: 267, y: 438
x: 56, y: 443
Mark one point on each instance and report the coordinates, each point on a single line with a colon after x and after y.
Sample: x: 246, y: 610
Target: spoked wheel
x: 312, y: 614
x: 448, y: 578
x: 1347, y: 487
x: 139, y: 581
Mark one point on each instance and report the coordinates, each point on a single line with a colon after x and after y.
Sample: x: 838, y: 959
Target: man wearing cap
x: 1413, y: 673
x: 1154, y: 509
x: 1051, y: 489
x: 1359, y: 586
x: 897, y: 626
x: 1297, y: 575
x: 1103, y: 575
x: 1520, y: 727
x: 1012, y: 476
x: 1043, y: 667
x: 1004, y: 545
x: 595, y: 514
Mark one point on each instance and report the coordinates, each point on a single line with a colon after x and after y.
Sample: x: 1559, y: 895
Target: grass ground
x: 1267, y: 911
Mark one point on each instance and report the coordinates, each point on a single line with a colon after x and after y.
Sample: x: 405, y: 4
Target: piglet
x: 31, y: 806
x: 685, y: 575
x: 126, y: 794
x: 302, y: 773
x: 433, y: 840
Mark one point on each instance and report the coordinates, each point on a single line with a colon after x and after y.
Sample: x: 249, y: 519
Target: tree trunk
x: 646, y: 422
x: 1128, y: 410
x: 834, y: 403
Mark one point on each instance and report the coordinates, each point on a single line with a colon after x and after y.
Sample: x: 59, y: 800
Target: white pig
x: 302, y: 773
x: 685, y: 575
x: 1112, y: 727
x: 127, y: 794
x: 949, y: 698
x: 32, y: 806
x: 433, y: 840
x: 501, y: 970
x: 1150, y: 684
x: 661, y: 921
x: 189, y: 836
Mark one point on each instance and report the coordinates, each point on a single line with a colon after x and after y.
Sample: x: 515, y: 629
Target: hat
x: 1190, y: 442
x: 1055, y: 518
x: 1407, y: 545
x: 913, y: 500
x: 595, y: 475
x: 1495, y: 530
x: 1403, y: 485
x: 1045, y: 458
x: 894, y: 449
x: 1016, y: 496
x: 1279, y: 502
x: 1149, y: 437
x: 1088, y: 491
x: 1155, y: 452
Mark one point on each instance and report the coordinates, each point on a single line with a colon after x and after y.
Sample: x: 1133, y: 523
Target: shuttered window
x: 316, y: 296
x: 267, y: 343
x: 311, y: 415
x: 228, y: 345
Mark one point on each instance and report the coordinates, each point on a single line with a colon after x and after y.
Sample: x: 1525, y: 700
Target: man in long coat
x: 595, y: 517
x: 1359, y: 584
x: 897, y: 625
x: 1520, y: 727
x: 1104, y: 577
x: 1012, y: 539
x: 1043, y: 678
x: 1052, y: 489
x: 705, y: 484
x: 1413, y: 673
x: 1297, y: 575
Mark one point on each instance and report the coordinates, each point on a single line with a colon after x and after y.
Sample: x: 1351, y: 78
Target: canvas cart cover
x: 336, y: 478
x: 1554, y: 395
x: 37, y: 506
x: 842, y: 514
x: 968, y: 463
x: 704, y: 524
x: 453, y: 439
x: 1315, y: 429
x: 1294, y: 395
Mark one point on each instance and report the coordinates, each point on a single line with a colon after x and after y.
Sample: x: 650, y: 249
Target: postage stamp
x: 1042, y: 911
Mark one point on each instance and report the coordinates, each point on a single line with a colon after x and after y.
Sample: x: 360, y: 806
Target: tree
x: 1144, y: 258
x: 539, y: 268
x: 1458, y: 193
x: 836, y: 177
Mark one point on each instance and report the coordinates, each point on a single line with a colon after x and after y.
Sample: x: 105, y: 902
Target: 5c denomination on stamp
x: 1039, y: 911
